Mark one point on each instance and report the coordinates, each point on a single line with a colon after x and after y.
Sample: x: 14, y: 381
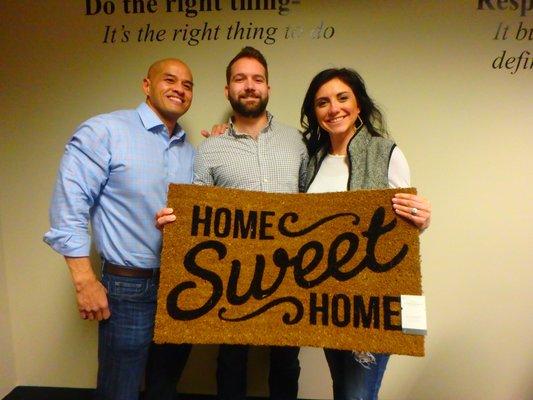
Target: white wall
x: 464, y: 127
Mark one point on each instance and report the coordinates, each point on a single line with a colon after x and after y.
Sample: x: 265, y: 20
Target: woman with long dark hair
x: 349, y: 149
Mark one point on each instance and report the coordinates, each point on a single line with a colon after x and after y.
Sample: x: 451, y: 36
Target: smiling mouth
x: 336, y: 119
x: 176, y: 99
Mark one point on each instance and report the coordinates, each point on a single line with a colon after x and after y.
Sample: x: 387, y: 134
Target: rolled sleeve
x: 67, y: 243
x: 81, y: 177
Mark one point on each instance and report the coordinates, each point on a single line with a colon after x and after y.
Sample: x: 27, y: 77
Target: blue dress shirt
x: 115, y: 172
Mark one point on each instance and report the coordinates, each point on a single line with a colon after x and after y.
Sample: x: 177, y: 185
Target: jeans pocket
x: 119, y: 286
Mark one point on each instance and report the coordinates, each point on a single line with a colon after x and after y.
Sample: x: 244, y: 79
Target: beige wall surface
x: 464, y: 126
x: 7, y: 366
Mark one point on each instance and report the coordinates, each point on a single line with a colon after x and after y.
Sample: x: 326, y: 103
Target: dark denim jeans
x: 352, y: 381
x: 282, y: 378
x: 124, y: 339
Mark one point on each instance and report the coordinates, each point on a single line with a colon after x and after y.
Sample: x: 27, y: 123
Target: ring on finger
x: 414, y: 211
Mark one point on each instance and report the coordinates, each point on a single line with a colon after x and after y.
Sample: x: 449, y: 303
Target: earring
x: 318, y: 133
x: 361, y: 122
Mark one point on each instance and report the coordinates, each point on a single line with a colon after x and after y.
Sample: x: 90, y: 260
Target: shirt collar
x: 233, y: 132
x: 150, y: 121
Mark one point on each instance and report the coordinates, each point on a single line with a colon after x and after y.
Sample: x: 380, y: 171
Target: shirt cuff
x: 67, y: 243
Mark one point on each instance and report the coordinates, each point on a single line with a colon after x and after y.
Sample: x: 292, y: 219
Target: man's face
x: 248, y: 90
x: 168, y: 89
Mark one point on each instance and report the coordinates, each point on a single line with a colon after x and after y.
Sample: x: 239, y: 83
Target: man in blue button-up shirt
x: 115, y: 172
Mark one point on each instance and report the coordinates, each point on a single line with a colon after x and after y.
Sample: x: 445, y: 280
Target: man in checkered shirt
x: 255, y: 152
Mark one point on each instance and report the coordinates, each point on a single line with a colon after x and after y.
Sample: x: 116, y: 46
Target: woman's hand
x: 414, y: 208
x: 163, y: 217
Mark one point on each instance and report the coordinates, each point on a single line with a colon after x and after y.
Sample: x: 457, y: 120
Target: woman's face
x: 336, y: 108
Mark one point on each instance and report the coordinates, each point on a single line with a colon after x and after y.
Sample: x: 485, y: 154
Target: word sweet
x: 302, y: 266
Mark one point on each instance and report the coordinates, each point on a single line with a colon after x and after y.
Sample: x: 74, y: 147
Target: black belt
x: 119, y: 270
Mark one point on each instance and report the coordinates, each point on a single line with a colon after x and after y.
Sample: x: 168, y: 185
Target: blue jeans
x: 282, y: 378
x: 124, y: 339
x: 352, y: 381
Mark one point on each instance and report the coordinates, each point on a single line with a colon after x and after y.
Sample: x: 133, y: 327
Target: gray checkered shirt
x: 275, y: 162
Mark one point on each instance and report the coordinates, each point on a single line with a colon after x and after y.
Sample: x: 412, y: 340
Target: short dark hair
x: 247, y: 52
x: 369, y: 112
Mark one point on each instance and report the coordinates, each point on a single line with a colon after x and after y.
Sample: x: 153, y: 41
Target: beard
x: 246, y: 110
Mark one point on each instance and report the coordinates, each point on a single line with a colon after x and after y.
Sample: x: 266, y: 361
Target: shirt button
x: 265, y: 180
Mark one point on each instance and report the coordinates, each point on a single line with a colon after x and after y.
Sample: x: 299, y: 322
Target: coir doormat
x: 323, y: 270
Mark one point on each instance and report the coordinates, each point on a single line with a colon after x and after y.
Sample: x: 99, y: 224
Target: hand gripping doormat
x: 321, y: 270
